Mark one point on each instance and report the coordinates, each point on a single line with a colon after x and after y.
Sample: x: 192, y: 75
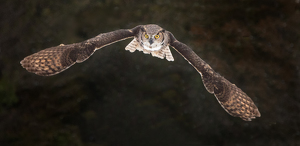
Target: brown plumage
x: 151, y: 39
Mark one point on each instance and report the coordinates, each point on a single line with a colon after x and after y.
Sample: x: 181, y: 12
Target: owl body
x: 150, y: 39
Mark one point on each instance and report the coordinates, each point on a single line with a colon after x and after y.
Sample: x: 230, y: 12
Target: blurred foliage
x: 122, y: 98
x: 7, y: 94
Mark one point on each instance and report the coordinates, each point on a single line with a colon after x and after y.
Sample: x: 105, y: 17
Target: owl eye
x: 146, y: 36
x: 156, y: 36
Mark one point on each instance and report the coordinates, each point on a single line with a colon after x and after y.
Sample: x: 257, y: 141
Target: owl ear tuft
x: 143, y: 29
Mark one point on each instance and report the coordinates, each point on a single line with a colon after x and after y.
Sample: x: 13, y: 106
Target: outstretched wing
x: 54, y: 60
x: 236, y: 102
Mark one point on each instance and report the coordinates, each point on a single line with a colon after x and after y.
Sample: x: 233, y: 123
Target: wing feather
x: 236, y: 102
x: 54, y: 60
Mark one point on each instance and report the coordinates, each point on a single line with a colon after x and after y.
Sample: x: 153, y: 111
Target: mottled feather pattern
x: 49, y: 61
x: 84, y: 51
x: 54, y: 60
x: 236, y: 102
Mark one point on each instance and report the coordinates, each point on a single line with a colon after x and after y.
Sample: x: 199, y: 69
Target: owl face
x: 152, y: 38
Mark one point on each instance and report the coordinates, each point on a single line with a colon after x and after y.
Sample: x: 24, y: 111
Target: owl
x: 150, y: 39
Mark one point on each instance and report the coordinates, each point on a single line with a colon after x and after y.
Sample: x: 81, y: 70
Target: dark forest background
x: 122, y: 98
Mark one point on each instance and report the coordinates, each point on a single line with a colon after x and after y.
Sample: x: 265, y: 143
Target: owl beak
x: 151, y: 41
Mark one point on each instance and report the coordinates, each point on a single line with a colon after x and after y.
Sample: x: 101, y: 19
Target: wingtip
x: 257, y: 113
x: 254, y: 116
x: 22, y: 62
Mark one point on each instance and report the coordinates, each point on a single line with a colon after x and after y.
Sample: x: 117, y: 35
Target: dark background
x: 122, y: 98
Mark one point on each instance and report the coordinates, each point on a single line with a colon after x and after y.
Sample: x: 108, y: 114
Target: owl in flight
x: 150, y: 39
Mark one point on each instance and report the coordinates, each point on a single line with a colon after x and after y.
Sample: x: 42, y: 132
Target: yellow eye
x: 146, y: 36
x: 156, y: 36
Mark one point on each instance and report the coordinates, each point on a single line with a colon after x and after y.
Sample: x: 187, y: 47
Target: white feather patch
x: 168, y: 53
x: 132, y: 46
x: 162, y: 53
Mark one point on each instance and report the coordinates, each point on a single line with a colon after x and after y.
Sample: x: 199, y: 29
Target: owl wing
x: 54, y: 60
x: 236, y: 102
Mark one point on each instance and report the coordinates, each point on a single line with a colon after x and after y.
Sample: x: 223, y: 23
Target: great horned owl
x: 148, y: 39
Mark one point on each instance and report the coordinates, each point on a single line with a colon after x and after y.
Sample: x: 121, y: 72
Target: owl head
x: 152, y: 37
